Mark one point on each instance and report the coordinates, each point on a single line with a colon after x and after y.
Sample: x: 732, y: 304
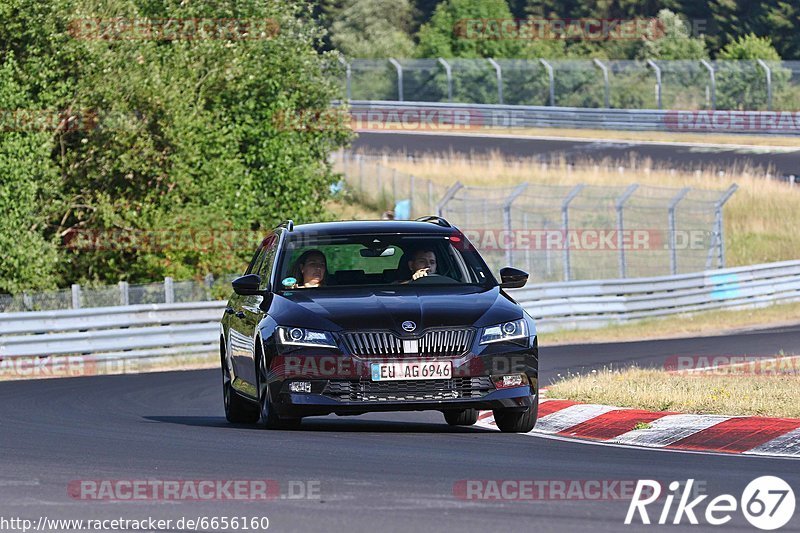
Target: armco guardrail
x: 595, y: 303
x: 454, y: 117
x: 156, y: 330
x: 113, y: 332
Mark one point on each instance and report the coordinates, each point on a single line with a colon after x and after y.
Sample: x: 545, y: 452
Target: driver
x: 422, y: 263
x: 310, y: 269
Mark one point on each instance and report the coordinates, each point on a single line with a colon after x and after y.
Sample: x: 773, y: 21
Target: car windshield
x: 329, y: 261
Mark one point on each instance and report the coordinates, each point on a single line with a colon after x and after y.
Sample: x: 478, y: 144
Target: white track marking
x: 671, y: 428
x: 570, y: 416
x: 786, y: 444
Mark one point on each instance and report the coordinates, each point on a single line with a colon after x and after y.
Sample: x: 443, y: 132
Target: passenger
x: 310, y: 269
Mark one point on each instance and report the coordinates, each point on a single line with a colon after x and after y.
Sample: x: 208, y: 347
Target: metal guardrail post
x: 447, y: 197
x: 449, y: 73
x: 124, y: 294
x: 565, y: 225
x: 768, y: 74
x: 606, y: 88
x: 518, y: 190
x: 76, y: 296
x: 169, y: 290
x: 399, y: 69
x: 713, y: 81
x: 431, y: 206
x: 552, y: 78
x: 673, y: 252
x: 718, y: 221
x: 348, y: 76
x: 499, y: 73
x: 621, y: 226
x: 657, y: 70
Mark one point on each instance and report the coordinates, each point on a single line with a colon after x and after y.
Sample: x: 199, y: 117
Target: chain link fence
x: 560, y: 232
x: 621, y: 84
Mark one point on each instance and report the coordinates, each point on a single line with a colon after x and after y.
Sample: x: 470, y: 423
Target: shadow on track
x: 351, y: 425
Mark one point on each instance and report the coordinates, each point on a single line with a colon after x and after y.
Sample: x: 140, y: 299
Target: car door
x: 239, y: 342
x: 249, y: 313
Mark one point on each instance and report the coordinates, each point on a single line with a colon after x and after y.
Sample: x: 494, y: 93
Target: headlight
x: 305, y: 337
x: 507, y: 331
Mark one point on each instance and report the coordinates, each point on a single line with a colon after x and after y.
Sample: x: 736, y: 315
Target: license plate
x: 416, y: 370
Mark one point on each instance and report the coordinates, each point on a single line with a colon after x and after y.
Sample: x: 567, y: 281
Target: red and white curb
x: 750, y: 435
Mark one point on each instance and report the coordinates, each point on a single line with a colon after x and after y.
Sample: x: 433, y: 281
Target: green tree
x: 672, y: 40
x: 372, y: 28
x: 191, y: 133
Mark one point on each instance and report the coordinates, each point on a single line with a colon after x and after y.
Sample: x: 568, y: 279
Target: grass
x: 655, y: 390
x: 657, y: 136
x: 697, y: 324
x: 760, y: 220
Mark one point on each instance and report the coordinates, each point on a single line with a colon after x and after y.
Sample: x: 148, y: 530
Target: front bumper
x: 294, y: 404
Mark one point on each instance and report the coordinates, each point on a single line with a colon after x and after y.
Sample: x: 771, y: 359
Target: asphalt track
x: 381, y: 472
x: 685, y: 156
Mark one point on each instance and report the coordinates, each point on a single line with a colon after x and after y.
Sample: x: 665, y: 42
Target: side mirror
x: 513, y: 278
x: 247, y: 285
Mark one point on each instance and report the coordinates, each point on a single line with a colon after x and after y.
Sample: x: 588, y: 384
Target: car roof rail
x: 435, y: 220
x: 288, y: 224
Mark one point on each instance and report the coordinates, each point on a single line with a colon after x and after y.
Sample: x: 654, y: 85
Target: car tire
x: 269, y: 418
x: 466, y: 417
x: 515, y: 421
x: 237, y: 409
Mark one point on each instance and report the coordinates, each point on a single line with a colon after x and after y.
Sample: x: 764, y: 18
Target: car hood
x: 360, y: 309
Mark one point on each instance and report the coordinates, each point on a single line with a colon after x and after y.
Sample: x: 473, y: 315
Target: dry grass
x: 761, y: 219
x: 655, y: 390
x: 698, y: 324
x: 658, y: 136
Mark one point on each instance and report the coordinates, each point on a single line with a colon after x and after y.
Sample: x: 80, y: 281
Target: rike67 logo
x: 767, y: 503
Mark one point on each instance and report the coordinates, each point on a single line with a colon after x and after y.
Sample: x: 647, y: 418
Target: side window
x: 257, y: 257
x: 268, y: 261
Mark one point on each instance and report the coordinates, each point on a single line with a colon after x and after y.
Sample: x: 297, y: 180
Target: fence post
x: 768, y: 74
x: 394, y: 187
x: 718, y: 221
x: 379, y: 197
x: 361, y: 174
x: 673, y: 252
x: 606, y: 88
x: 565, y: 226
x: 76, y: 296
x: 447, y: 197
x: 347, y: 76
x: 431, y: 207
x: 499, y: 72
x: 169, y: 291
x: 518, y: 190
x: 550, y: 75
x: 449, y: 74
x: 713, y: 82
x: 399, y: 69
x: 124, y: 295
x: 411, y: 181
x: 657, y: 70
x: 621, y: 226
x: 27, y: 301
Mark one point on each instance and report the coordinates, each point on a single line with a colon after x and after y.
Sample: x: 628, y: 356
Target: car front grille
x: 411, y: 390
x: 434, y: 342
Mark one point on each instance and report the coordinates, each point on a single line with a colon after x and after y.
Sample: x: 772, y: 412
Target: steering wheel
x: 434, y: 278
